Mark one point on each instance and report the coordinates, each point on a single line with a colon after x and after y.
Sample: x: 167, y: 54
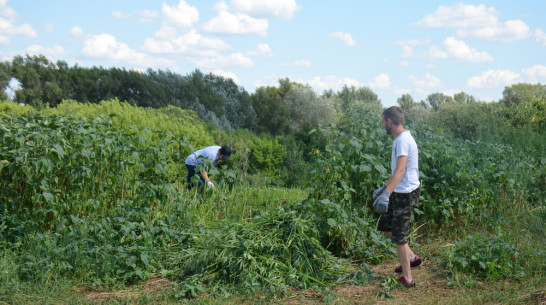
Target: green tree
x: 5, y: 78
x: 238, y: 105
x: 435, y: 100
x: 406, y: 102
x: 352, y: 99
x: 306, y: 107
x: 170, y: 84
x: 463, y: 98
x: 33, y: 72
x: 197, y: 94
x: 272, y: 115
x: 522, y: 92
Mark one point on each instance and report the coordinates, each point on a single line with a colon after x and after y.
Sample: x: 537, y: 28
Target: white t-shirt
x: 404, y: 145
x: 210, y: 152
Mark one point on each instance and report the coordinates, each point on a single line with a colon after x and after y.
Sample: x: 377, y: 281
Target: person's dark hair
x: 395, y: 114
x: 226, y: 152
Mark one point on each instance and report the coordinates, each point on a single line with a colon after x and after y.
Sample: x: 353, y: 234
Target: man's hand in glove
x: 210, y: 184
x: 381, y: 204
x: 378, y: 191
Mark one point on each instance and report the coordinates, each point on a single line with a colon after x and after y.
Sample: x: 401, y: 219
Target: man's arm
x: 205, y: 176
x: 398, y: 174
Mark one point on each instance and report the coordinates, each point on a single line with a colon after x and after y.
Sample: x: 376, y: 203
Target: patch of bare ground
x: 154, y: 286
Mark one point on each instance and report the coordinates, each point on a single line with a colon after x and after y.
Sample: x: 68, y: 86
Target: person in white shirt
x: 396, y: 199
x: 214, y: 153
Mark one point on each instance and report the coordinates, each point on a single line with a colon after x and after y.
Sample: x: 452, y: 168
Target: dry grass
x: 153, y: 287
x: 432, y: 288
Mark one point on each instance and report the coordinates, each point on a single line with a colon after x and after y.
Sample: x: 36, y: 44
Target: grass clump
x: 483, y: 257
x: 269, y: 254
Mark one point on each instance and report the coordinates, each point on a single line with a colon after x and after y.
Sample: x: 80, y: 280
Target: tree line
x: 287, y: 108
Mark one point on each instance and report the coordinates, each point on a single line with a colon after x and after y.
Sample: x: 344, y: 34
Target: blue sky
x: 392, y: 47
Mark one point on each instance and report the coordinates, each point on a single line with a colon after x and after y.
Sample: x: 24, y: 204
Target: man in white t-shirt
x: 214, y: 153
x: 396, y: 199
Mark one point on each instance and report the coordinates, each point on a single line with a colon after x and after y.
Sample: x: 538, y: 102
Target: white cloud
x: 233, y: 60
x: 509, y: 31
x: 346, y: 38
x: 55, y: 51
x: 435, y: 52
x: 460, y: 50
x: 272, y: 81
x: 457, y: 49
x: 193, y: 38
x: 76, y: 31
x: 535, y: 74
x: 411, y: 42
x: 407, y: 51
x: 226, y: 74
x: 221, y: 6
x: 140, y: 16
x: 120, y: 15
x: 6, y: 11
x: 157, y: 46
x: 381, y: 81
x: 105, y: 46
x: 146, y: 15
x: 493, y: 79
x: 330, y: 82
x: 228, y: 23
x: 540, y: 37
x: 426, y: 83
x: 263, y: 49
x: 189, y: 42
x: 477, y: 22
x: 183, y: 15
x: 401, y: 91
x: 298, y: 63
x: 460, y: 16
x: 9, y: 26
x: 430, y: 66
x: 166, y: 32
x: 49, y: 27
x: 284, y: 9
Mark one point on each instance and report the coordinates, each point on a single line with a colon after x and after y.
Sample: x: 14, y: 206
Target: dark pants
x: 397, y: 220
x: 191, y: 173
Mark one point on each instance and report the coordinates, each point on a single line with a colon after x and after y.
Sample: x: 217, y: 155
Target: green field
x: 94, y: 208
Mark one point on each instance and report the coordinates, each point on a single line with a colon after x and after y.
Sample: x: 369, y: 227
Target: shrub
x: 483, y: 257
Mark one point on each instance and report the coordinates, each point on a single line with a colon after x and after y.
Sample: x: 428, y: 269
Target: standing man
x: 396, y: 199
x: 214, y: 153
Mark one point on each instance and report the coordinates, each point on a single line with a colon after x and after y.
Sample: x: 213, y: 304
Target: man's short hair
x: 394, y: 113
x: 226, y: 152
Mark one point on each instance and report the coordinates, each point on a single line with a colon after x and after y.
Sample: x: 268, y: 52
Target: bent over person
x: 396, y: 199
x: 214, y: 153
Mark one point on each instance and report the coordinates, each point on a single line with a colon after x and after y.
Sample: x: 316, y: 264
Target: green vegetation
x: 93, y: 196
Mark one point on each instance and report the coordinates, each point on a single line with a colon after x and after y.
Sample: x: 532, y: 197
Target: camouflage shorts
x: 397, y: 220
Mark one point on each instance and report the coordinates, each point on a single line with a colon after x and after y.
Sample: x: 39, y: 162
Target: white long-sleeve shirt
x: 210, y: 152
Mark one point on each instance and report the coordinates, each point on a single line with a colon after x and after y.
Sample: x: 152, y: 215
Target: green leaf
x: 59, y: 150
x: 380, y: 168
x: 365, y: 168
x: 47, y: 196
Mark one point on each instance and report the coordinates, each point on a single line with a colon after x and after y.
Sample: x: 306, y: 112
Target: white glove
x: 210, y: 184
